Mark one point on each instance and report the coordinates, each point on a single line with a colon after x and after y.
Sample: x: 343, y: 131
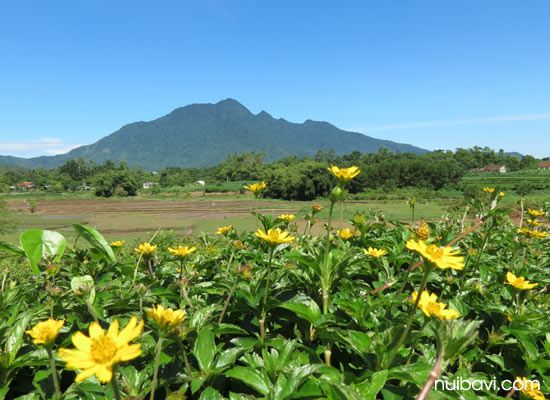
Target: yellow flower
x: 287, y: 217
x: 346, y: 233
x: 533, y: 234
x: 117, y: 243
x: 488, y: 190
x: 430, y: 306
x: 535, y: 213
x: 442, y: 257
x: 375, y: 252
x: 518, y: 282
x: 423, y: 232
x: 45, y: 332
x: 534, y: 222
x: 344, y: 174
x: 256, y: 188
x: 224, y: 230
x: 182, y: 251
x: 98, y: 353
x: 146, y: 249
x: 531, y: 388
x: 501, y: 194
x: 166, y: 317
x: 274, y: 236
x: 316, y: 208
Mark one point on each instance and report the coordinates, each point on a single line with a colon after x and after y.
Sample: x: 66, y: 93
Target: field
x: 140, y: 217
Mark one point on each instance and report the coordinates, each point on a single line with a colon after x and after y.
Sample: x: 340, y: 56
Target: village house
x: 544, y: 165
x: 26, y: 186
x: 490, y: 168
x: 149, y: 185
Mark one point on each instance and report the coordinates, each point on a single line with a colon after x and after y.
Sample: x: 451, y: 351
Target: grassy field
x: 141, y: 216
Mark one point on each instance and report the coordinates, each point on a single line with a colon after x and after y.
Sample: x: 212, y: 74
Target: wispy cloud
x: 51, y: 146
x: 427, y: 124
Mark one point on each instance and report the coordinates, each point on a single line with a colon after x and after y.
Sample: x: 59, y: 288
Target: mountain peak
x: 231, y: 104
x: 200, y: 135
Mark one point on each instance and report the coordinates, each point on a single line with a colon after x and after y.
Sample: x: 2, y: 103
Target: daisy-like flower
x: 442, y: 257
x: 518, y: 282
x: 45, y: 332
x: 182, y: 251
x: 534, y: 222
x: 316, y: 208
x: 97, y: 354
x: 532, y: 234
x: 423, y: 232
x: 346, y: 233
x: 166, y: 317
x: 224, y: 230
x: 535, y: 213
x: 488, y: 190
x: 430, y: 306
x: 146, y: 249
x: 344, y: 174
x: 374, y: 252
x: 287, y: 217
x: 274, y: 236
x: 530, y: 388
x: 256, y: 188
x: 117, y: 243
x: 501, y: 194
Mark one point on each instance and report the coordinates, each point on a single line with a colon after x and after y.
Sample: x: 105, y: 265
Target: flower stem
x: 411, y: 317
x: 114, y: 383
x: 227, y: 302
x: 54, y: 372
x: 483, y: 246
x: 156, y: 370
x: 91, y: 310
x: 268, y: 276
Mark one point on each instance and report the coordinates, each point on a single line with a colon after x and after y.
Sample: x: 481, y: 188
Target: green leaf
x: 305, y: 307
x: 415, y: 373
x: 210, y: 394
x: 358, y: 340
x: 39, y: 243
x: 10, y: 247
x: 205, y: 349
x: 370, y: 388
x: 251, y: 377
x: 96, y: 239
x: 15, y: 338
x: 229, y: 329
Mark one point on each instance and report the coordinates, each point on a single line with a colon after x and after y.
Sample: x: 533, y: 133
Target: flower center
x: 433, y: 308
x: 434, y: 251
x: 103, y: 349
x: 46, y: 333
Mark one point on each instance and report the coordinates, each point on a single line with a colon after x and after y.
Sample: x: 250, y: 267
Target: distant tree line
x: 291, y: 178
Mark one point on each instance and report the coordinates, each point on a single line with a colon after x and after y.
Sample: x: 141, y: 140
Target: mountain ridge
x: 199, y: 135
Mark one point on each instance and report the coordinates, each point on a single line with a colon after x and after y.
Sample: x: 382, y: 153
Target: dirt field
x: 129, y: 218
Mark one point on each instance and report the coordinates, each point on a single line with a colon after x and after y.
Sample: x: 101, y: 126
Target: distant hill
x: 204, y: 134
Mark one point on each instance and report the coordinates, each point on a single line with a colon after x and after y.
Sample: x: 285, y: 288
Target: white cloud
x: 529, y: 117
x: 33, y: 148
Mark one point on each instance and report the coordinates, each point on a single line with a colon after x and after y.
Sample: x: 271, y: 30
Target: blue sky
x: 436, y: 74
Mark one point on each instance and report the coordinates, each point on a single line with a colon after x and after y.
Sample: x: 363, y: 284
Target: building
x: 149, y: 185
x: 490, y: 168
x: 544, y: 165
x: 26, y: 186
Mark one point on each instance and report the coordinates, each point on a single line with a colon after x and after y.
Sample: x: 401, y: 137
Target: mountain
x: 204, y: 134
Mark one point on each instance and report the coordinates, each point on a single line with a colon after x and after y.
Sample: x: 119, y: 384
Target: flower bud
x: 336, y: 194
x: 141, y: 289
